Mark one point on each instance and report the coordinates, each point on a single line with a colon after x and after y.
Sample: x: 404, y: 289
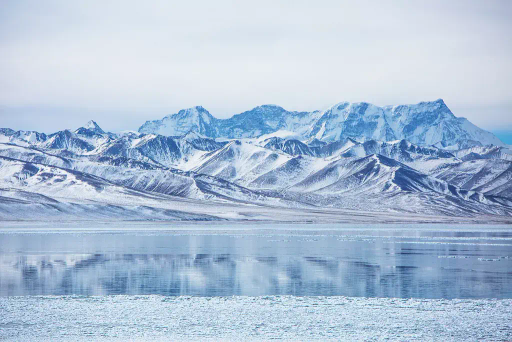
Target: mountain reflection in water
x: 349, y: 264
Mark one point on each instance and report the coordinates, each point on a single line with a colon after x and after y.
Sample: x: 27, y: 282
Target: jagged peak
x: 195, y: 109
x: 191, y: 111
x: 7, y: 131
x: 93, y: 126
x: 439, y: 103
x: 90, y: 126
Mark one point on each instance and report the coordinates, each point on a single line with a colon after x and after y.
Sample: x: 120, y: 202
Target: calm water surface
x: 223, y: 260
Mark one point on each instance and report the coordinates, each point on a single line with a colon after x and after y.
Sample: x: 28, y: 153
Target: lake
x: 395, y: 261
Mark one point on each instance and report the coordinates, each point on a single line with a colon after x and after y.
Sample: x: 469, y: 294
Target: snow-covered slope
x: 373, y: 173
x: 145, y: 176
x: 36, y: 191
x: 24, y: 138
x: 240, y: 162
x: 288, y: 174
x: 51, y: 191
x: 168, y: 151
x: 484, y: 152
x: 293, y: 147
x: 489, y: 176
x: 422, y: 158
x: 378, y: 183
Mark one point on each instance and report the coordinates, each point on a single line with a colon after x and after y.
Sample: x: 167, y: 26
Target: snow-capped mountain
x: 264, y: 120
x: 266, y: 163
x: 8, y: 135
x: 425, y: 123
x: 484, y: 152
x: 490, y: 176
x: 90, y: 128
x: 196, y: 119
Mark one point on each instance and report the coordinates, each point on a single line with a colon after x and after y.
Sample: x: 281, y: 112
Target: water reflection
x: 258, y: 264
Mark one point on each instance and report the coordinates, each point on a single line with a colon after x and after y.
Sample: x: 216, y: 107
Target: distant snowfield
x: 251, y: 318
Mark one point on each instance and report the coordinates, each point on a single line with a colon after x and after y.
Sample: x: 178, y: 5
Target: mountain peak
x: 196, y: 119
x: 194, y: 111
x: 93, y: 126
x: 439, y: 103
x: 195, y: 108
x: 267, y: 107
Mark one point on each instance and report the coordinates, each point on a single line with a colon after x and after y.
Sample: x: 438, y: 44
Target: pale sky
x: 124, y: 62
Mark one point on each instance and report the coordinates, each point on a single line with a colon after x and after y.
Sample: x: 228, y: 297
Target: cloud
x: 131, y: 61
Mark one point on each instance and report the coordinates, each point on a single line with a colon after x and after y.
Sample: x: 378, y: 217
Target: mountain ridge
x: 425, y: 123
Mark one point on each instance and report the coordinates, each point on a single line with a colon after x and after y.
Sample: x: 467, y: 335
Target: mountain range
x: 351, y: 162
x: 425, y: 123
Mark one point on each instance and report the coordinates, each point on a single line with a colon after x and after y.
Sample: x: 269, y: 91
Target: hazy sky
x: 124, y: 62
